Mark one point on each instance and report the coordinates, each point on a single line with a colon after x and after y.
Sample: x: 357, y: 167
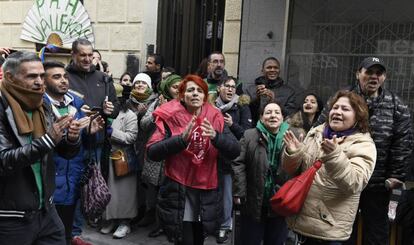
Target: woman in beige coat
x: 348, y: 154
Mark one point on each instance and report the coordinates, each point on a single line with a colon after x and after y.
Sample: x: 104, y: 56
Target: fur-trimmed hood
x: 244, y: 99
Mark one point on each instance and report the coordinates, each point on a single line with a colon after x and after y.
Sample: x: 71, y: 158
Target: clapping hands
x: 292, y: 143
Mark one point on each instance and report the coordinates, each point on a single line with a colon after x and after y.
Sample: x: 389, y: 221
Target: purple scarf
x: 329, y: 133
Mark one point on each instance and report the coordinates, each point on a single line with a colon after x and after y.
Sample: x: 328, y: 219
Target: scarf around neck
x: 22, y: 100
x: 328, y: 133
x: 274, y: 147
x: 223, y: 106
x: 139, y: 96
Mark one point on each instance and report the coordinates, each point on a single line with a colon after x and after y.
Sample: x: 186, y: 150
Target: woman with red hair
x: 190, y: 135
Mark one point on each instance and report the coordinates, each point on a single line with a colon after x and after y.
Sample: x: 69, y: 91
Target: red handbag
x: 289, y: 199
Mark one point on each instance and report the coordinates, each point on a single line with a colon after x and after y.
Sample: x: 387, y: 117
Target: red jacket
x: 196, y: 166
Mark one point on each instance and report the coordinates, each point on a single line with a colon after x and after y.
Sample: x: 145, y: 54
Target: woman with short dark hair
x: 257, y: 175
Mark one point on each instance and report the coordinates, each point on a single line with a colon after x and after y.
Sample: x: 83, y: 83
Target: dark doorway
x: 188, y: 31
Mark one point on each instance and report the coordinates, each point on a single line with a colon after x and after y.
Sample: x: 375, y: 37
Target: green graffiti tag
x: 59, y: 21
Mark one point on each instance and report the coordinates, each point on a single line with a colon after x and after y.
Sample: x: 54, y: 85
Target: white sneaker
x: 121, y: 231
x: 108, y: 228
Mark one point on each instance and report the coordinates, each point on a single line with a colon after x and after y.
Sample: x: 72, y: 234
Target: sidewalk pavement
x: 138, y: 236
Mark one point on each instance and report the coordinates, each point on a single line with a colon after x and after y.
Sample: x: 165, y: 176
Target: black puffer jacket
x: 284, y: 95
x: 18, y: 191
x: 390, y: 124
x: 242, y: 120
x: 171, y: 198
x: 92, y: 87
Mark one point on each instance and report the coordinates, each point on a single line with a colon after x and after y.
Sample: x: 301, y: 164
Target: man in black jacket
x: 271, y: 87
x: 390, y: 124
x: 98, y: 93
x: 28, y: 136
x: 93, y: 86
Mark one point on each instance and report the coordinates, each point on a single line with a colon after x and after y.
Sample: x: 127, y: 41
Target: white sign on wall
x: 58, y: 22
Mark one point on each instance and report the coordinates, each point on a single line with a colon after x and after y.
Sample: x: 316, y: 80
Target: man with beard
x: 217, y: 73
x: 28, y: 136
x: 270, y: 86
x: 154, y: 66
x: 390, y: 124
x: 68, y: 171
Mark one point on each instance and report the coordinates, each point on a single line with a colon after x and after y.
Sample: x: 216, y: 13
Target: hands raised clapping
x: 292, y: 143
x: 206, y: 127
x: 329, y: 145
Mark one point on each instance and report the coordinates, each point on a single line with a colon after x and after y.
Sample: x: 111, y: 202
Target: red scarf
x: 196, y: 166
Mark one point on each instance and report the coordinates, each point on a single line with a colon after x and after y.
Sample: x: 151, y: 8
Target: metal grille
x: 328, y: 39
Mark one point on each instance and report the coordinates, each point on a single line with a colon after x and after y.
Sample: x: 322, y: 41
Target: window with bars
x: 327, y: 39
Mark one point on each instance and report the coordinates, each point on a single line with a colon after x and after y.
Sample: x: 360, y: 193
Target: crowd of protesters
x: 196, y: 146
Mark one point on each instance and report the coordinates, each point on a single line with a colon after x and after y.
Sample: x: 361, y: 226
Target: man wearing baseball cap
x: 390, y: 124
x: 371, y: 75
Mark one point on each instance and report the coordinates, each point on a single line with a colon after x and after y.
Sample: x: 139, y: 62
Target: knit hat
x: 144, y: 78
x: 118, y: 89
x: 167, y: 83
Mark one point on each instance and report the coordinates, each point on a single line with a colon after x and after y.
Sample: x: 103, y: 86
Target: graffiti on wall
x: 59, y: 22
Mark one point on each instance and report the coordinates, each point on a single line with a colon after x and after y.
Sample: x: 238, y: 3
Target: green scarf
x: 274, y: 147
x: 141, y: 97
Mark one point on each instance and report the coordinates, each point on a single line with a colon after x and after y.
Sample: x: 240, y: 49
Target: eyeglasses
x: 229, y: 86
x: 217, y: 62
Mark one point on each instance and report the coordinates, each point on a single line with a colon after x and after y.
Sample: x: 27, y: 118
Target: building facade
x: 121, y: 28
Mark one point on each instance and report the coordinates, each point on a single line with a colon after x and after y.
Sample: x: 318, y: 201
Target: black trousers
x: 192, y: 234
x: 66, y: 214
x: 374, y: 213
x: 39, y: 228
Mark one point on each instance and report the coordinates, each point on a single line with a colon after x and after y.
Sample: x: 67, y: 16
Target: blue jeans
x: 272, y: 231
x: 78, y: 221
x: 226, y: 187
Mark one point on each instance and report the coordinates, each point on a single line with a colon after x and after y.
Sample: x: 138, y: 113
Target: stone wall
x: 121, y: 27
x: 263, y: 35
x: 231, y: 35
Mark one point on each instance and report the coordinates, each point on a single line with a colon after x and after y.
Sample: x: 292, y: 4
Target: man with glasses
x: 217, y: 73
x: 237, y: 117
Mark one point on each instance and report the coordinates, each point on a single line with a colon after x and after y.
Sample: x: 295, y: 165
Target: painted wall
x: 121, y: 27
